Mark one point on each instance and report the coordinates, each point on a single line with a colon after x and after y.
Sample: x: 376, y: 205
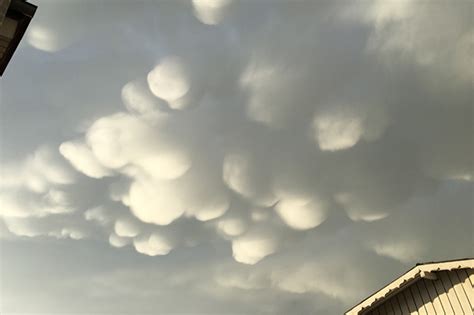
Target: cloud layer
x: 268, y: 157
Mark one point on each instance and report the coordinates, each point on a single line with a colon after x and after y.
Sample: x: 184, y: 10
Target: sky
x: 231, y: 156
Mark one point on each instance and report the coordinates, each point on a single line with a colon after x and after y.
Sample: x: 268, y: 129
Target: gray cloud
x: 248, y: 158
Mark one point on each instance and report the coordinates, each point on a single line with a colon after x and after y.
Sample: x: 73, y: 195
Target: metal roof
x: 420, y: 271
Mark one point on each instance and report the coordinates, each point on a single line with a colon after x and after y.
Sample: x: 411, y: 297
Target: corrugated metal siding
x: 451, y: 293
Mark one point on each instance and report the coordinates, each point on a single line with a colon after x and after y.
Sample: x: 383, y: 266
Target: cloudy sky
x: 232, y: 157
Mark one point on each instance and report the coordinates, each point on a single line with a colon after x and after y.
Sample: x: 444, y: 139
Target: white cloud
x: 155, y: 203
x: 126, y: 227
x: 21, y: 204
x: 72, y: 233
x: 37, y: 172
x: 210, y: 11
x: 270, y: 88
x: 47, y: 164
x: 54, y: 226
x: 121, y: 140
x: 430, y: 34
x: 358, y: 210
x: 240, y: 174
x: 405, y: 252
x: 253, y: 246
x: 318, y: 277
x: 57, y: 202
x: 45, y: 39
x: 169, y: 80
x: 118, y: 241
x: 236, y: 172
x: 137, y: 98
x: 59, y: 26
x: 234, y: 279
x: 232, y: 226
x: 166, y: 165
x: 292, y: 118
x: 337, y: 131
x: 12, y: 207
x: 22, y: 227
x: 259, y: 215
x: 302, y: 213
x: 113, y: 139
x: 341, y: 127
x: 83, y: 159
x: 98, y: 214
x: 213, y: 210
x: 382, y: 12
x: 153, y: 245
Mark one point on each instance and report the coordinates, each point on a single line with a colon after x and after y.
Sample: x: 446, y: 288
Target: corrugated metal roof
x: 425, y: 289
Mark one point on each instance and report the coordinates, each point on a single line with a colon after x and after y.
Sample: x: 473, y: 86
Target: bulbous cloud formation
x: 253, y: 157
x: 210, y: 11
x: 301, y: 213
x: 82, y: 159
x: 254, y: 246
x: 153, y: 245
x: 168, y: 80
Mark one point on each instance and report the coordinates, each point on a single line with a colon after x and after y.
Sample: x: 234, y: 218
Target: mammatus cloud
x: 357, y: 210
x: 39, y: 170
x: 341, y: 127
x: 155, y: 204
x: 169, y: 81
x: 336, y: 133
x: 302, y: 213
x: 152, y: 245
x: 126, y: 228
x: 255, y: 245
x: 399, y: 29
x: 232, y: 226
x: 210, y: 12
x: 83, y: 160
x: 239, y: 172
x: 32, y: 187
x: 299, y: 154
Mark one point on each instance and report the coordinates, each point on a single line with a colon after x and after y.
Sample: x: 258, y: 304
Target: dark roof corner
x: 15, y: 16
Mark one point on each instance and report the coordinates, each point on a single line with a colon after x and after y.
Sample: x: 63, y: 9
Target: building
x: 15, y: 16
x: 431, y: 288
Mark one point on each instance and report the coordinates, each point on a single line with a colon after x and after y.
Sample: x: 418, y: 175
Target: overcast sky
x: 232, y: 157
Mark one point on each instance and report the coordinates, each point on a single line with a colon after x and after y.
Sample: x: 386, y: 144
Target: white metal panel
x: 410, y: 303
x: 396, y: 305
x: 403, y: 304
x: 453, y: 299
x: 467, y: 286
x: 427, y: 303
x: 434, y: 297
x: 470, y: 273
x: 417, y: 299
x: 390, y: 307
x: 457, y: 285
x: 443, y: 296
x: 450, y: 293
x: 447, y: 290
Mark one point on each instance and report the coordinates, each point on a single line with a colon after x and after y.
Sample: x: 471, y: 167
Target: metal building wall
x: 451, y: 293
